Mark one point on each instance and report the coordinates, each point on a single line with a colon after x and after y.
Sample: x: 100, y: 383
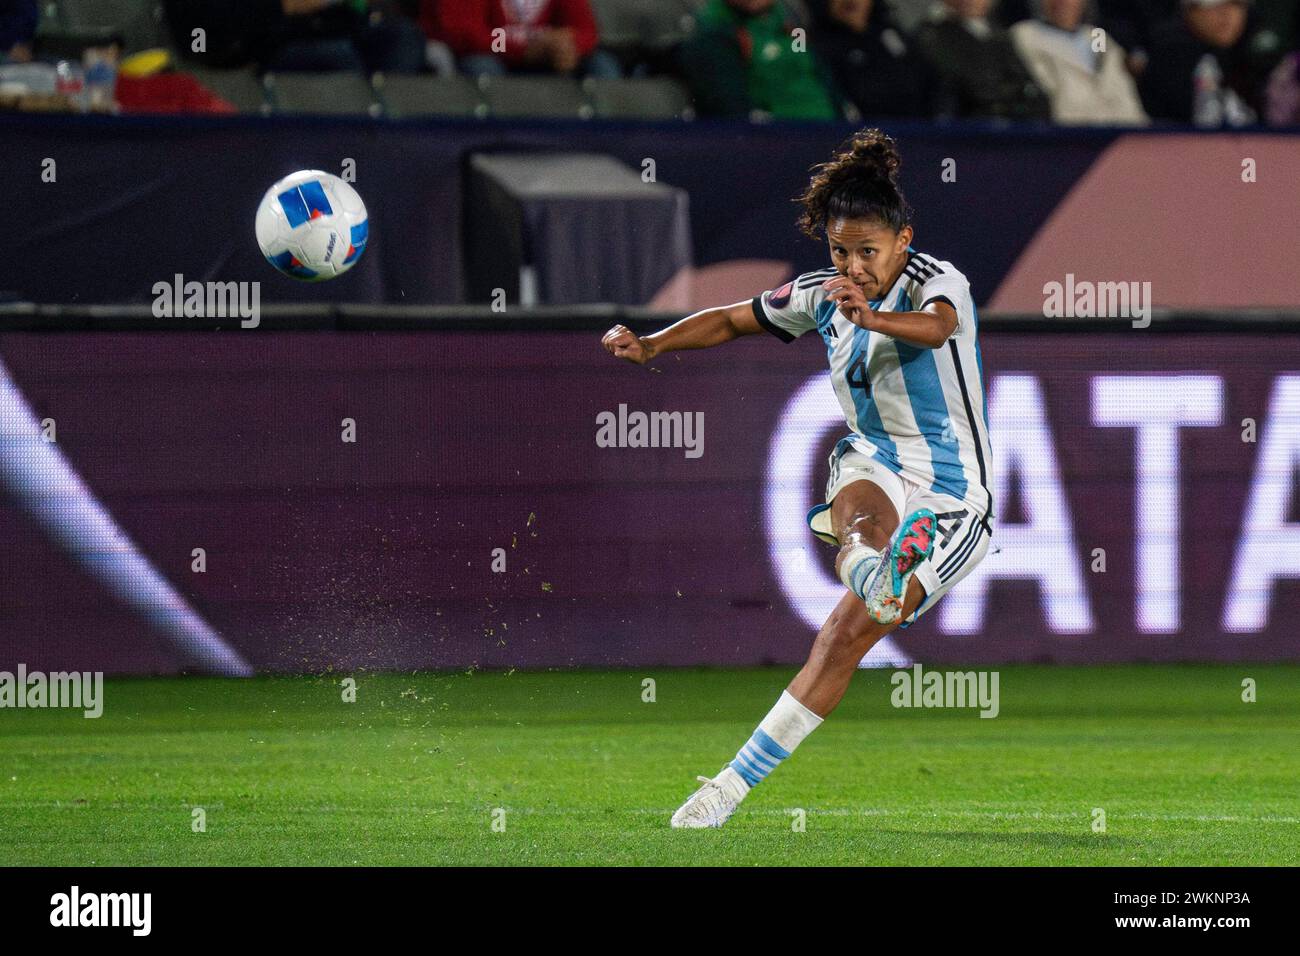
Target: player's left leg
x: 841, y: 644
x: 865, y: 521
x: 846, y: 637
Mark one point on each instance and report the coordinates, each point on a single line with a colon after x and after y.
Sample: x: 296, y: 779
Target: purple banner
x: 300, y: 501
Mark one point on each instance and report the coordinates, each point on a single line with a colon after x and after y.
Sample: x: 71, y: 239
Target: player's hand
x: 621, y: 342
x: 850, y: 300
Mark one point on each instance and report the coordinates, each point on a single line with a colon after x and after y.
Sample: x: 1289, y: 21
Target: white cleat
x: 713, y: 803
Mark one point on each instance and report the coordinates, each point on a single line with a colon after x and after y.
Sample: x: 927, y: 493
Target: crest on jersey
x: 780, y: 298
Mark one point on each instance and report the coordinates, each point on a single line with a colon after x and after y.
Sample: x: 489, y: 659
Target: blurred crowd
x: 1211, y: 63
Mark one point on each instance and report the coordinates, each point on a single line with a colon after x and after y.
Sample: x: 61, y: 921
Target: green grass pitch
x: 588, y: 773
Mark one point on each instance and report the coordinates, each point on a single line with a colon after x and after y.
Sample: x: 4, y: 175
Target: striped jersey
x: 919, y: 412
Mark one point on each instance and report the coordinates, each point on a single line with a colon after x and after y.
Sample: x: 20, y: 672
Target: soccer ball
x: 312, y: 226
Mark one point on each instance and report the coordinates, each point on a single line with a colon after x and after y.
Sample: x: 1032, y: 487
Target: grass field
x: 587, y: 773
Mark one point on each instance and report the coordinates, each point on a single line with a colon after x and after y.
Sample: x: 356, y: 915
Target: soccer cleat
x: 911, y: 544
x: 712, y: 804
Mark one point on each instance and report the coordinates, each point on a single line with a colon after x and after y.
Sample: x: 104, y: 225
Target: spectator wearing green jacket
x: 744, y: 57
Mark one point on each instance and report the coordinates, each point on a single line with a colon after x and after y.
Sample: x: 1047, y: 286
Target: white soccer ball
x: 312, y: 226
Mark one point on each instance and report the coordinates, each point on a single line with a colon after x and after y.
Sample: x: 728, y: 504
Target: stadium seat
x: 654, y: 98
x: 619, y: 22
x: 138, y: 22
x: 552, y: 97
x: 347, y: 94
x: 413, y: 96
x: 635, y: 23
x: 243, y: 89
x: 668, y: 22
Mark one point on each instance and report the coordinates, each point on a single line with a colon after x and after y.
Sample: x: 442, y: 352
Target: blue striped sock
x: 784, y: 727
x: 863, y: 573
x: 857, y: 569
x: 758, y: 758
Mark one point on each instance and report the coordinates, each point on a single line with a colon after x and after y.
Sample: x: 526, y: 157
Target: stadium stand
x: 655, y: 98
x: 410, y: 97
x: 321, y: 93
x: 553, y: 97
x: 138, y: 24
x: 1180, y: 69
x: 632, y: 24
x: 243, y: 89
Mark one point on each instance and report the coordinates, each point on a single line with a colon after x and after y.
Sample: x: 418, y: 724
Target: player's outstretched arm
x: 699, y: 331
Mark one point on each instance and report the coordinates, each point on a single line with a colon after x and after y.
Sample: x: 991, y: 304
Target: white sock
x: 783, y: 729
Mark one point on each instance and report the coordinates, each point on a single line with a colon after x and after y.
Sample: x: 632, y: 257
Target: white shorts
x: 963, y: 533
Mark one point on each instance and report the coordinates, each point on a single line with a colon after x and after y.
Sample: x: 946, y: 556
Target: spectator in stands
x: 18, y: 19
x: 495, y: 37
x: 1200, y: 69
x: 743, y: 59
x: 980, y: 74
x: 910, y: 15
x: 1081, y: 70
x: 874, y: 64
x: 364, y: 35
x: 324, y: 35
x: 1129, y: 23
x: 1277, y: 22
x: 1282, y: 95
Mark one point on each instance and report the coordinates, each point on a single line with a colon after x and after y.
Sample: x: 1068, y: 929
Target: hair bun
x: 874, y: 152
x: 859, y: 181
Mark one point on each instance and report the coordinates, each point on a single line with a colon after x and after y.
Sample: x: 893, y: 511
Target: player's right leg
x: 864, y: 519
x: 877, y: 557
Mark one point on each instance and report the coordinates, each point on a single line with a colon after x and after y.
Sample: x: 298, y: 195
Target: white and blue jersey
x: 918, y: 412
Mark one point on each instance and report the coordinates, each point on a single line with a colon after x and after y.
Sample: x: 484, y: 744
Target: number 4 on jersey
x: 857, y: 373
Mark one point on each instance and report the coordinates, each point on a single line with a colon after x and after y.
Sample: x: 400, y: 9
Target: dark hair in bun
x: 859, y: 182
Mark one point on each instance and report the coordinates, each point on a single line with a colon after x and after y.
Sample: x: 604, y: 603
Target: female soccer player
x: 908, y: 499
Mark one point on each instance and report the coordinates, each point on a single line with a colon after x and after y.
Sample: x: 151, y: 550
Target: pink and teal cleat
x: 910, y: 545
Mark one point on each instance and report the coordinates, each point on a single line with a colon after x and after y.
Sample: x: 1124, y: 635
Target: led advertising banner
x: 246, y: 501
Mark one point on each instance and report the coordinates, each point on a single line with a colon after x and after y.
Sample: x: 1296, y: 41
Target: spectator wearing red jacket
x: 494, y: 37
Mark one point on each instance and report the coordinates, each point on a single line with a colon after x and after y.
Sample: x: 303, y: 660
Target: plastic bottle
x: 101, y: 80
x: 70, y: 82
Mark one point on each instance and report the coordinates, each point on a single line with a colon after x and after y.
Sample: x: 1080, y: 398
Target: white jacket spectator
x: 1081, y: 69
